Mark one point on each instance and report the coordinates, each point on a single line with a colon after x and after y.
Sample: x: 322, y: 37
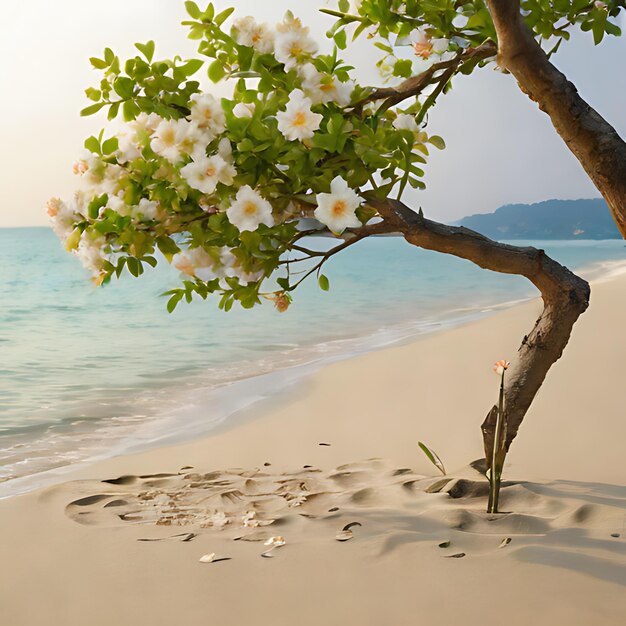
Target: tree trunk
x: 593, y: 141
x: 565, y: 297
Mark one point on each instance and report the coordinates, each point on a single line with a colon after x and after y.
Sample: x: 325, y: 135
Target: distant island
x: 551, y: 219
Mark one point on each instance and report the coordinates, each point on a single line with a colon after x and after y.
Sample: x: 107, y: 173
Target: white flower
x: 191, y: 261
x: 90, y: 252
x: 337, y: 208
x: 291, y: 25
x: 203, y: 173
x: 293, y: 44
x: 249, y: 210
x: 128, y: 146
x: 242, y: 109
x: 248, y: 32
x: 208, y: 113
x: 404, y: 121
x: 297, y: 121
x: 167, y: 139
x: 62, y: 217
x: 135, y: 135
x: 221, y: 263
x: 424, y: 45
x: 90, y: 168
x: 194, y: 138
x: 229, y: 268
x: 225, y: 150
x: 145, y: 210
x: 145, y: 123
x: 322, y: 88
x: 117, y: 204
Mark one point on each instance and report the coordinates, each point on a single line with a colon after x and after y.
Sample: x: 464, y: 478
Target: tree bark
x: 593, y: 141
x: 565, y: 297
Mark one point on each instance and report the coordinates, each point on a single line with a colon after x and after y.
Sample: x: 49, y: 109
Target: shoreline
x: 120, y: 540
x: 249, y: 392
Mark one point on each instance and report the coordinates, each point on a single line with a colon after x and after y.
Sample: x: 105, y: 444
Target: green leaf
x: 134, y: 266
x: 437, y: 141
x: 433, y: 457
x: 130, y: 110
x: 147, y: 49
x: 191, y: 67
x: 403, y: 68
x: 93, y: 94
x: 174, y: 300
x: 93, y: 145
x: 207, y: 16
x: 216, y: 71
x: 124, y: 87
x: 110, y: 146
x: 99, y: 64
x: 93, y: 208
x: 167, y: 246
x: 220, y: 18
x: 324, y: 283
x: 383, y: 47
x: 91, y: 109
x: 340, y: 39
x: 343, y: 5
x: 193, y: 10
x: 113, y: 110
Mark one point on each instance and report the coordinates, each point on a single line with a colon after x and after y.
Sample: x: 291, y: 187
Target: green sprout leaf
x: 433, y: 457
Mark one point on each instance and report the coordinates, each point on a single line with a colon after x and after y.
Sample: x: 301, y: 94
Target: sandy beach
x: 72, y: 553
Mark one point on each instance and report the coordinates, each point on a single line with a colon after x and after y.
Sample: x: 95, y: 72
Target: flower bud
x: 281, y: 301
x: 500, y: 367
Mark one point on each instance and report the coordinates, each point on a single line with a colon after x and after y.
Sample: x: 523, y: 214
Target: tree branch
x: 565, y: 297
x: 350, y: 237
x: 414, y: 85
x: 593, y: 141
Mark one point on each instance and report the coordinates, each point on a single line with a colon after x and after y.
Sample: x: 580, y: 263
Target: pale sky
x: 501, y: 148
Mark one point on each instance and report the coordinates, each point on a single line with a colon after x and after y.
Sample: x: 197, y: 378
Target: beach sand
x: 72, y: 553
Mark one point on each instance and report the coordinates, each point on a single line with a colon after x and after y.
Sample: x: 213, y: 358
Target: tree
x: 229, y: 190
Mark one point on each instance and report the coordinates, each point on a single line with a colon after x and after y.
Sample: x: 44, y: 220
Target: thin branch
x: 414, y: 85
x: 356, y: 235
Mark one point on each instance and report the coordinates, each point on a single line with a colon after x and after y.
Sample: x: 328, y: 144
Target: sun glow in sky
x: 500, y: 147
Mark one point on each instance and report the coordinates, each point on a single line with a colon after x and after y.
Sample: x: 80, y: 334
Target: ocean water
x: 88, y: 372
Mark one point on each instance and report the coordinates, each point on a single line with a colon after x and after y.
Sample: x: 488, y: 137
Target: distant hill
x: 552, y: 219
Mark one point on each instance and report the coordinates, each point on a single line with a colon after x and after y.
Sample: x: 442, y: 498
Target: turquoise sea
x: 89, y: 372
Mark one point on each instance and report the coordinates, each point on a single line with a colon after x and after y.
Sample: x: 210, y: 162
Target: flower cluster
x: 219, y: 186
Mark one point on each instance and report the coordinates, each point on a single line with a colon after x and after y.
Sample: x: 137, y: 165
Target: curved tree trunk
x: 593, y: 141
x: 565, y: 297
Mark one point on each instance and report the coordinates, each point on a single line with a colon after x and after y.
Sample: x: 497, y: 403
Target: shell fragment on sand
x: 273, y: 542
x: 505, y: 542
x: 346, y: 533
x: 276, y: 542
x: 180, y: 537
x: 211, y: 558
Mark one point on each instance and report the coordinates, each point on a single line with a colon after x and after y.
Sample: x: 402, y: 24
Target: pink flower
x: 500, y: 367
